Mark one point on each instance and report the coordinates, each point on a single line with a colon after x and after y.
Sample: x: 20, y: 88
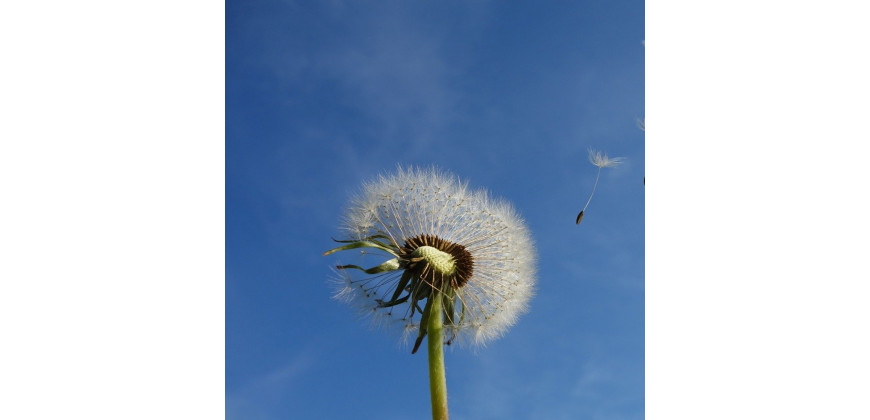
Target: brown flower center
x: 438, y: 279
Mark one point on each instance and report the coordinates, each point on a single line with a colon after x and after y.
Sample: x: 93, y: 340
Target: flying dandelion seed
x: 601, y: 161
x: 439, y: 238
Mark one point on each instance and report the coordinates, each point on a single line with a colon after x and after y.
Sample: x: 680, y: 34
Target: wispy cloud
x: 592, y: 377
x: 255, y: 399
x: 381, y: 60
x: 394, y: 74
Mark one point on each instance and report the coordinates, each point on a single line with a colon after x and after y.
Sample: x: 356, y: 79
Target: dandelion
x: 601, y: 161
x: 460, y: 265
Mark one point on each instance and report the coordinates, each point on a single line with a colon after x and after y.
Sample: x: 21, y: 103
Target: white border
x: 112, y: 227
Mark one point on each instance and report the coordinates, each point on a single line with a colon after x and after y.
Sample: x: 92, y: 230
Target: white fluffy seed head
x: 413, y: 202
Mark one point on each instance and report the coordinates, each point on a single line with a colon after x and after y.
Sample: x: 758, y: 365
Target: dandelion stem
x: 593, y: 189
x: 437, y: 380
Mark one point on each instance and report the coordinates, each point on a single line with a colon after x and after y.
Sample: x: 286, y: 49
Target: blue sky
x: 321, y: 96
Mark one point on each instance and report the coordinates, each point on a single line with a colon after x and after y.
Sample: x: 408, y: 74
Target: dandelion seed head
x: 466, y: 244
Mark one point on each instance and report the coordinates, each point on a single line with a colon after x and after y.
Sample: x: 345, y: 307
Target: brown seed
x: 580, y: 217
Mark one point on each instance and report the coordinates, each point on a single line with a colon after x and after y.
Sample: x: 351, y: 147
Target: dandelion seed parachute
x: 473, y: 249
x: 601, y: 161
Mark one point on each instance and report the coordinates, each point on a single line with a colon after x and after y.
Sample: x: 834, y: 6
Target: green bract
x: 429, y: 274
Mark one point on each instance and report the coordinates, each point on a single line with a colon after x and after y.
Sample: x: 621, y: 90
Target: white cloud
x: 592, y: 376
x: 394, y: 72
x: 253, y: 400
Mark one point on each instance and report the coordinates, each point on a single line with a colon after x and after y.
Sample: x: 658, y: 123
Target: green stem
x: 437, y: 380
